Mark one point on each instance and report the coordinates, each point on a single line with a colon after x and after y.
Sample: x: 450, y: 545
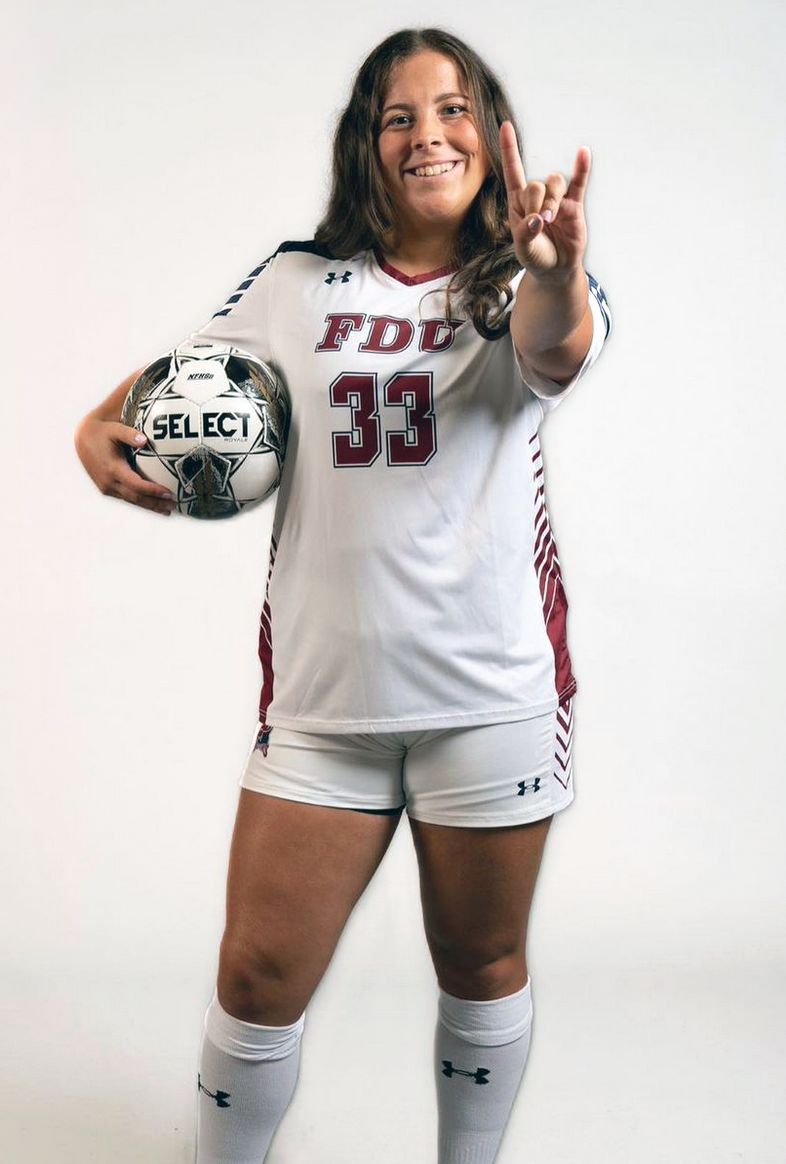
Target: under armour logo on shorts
x: 529, y: 786
x: 480, y: 1076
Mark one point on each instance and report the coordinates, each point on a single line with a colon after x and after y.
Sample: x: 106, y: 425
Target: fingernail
x: 140, y: 438
x: 532, y: 223
x: 547, y: 215
x: 166, y: 496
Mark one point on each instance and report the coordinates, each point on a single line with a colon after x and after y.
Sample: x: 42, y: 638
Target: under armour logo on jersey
x: 343, y: 278
x: 220, y: 1097
x: 529, y: 786
x: 480, y: 1076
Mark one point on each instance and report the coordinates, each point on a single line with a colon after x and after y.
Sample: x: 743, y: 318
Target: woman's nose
x: 428, y: 132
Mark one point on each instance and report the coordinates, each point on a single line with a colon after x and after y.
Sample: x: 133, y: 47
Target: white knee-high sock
x: 247, y: 1074
x: 480, y: 1052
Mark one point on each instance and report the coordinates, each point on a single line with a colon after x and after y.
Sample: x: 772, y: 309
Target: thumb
x: 534, y: 224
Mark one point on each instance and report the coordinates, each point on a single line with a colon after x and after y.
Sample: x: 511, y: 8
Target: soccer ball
x: 216, y: 419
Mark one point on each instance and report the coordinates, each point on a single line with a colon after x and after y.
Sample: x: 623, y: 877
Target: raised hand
x: 546, y: 218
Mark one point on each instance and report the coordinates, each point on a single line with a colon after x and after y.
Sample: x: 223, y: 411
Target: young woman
x: 412, y: 638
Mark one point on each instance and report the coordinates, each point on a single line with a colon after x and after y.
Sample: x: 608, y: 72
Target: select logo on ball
x: 216, y: 421
x: 175, y: 426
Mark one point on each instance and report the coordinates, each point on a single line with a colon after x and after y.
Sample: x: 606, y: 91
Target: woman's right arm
x: 99, y: 440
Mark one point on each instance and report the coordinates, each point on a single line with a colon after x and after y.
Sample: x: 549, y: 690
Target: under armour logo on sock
x: 529, y: 786
x: 344, y: 278
x: 480, y: 1076
x: 220, y: 1097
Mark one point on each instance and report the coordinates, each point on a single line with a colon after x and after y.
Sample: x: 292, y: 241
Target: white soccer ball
x: 216, y: 420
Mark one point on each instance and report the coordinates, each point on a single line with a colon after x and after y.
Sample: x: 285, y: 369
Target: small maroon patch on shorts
x: 263, y: 739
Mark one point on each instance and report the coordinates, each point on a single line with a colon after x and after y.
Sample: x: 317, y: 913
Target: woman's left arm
x: 551, y: 321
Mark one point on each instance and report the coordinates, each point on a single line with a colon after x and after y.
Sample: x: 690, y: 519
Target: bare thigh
x: 476, y: 887
x: 295, y: 873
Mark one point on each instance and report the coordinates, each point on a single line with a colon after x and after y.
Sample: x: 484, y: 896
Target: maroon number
x: 409, y: 390
x: 361, y: 445
x: 413, y: 391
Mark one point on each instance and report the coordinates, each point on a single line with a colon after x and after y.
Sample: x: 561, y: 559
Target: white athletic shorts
x: 485, y: 775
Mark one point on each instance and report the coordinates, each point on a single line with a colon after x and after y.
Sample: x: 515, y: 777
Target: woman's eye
x: 399, y: 120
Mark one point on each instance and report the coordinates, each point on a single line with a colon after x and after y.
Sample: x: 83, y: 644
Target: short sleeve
x: 548, y: 392
x: 244, y: 318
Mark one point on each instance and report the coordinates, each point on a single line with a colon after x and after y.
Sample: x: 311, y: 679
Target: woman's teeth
x: 429, y: 171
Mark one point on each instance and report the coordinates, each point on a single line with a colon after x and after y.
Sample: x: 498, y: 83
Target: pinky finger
x: 144, y: 500
x: 158, y: 505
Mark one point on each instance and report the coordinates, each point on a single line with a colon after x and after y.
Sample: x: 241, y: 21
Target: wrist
x: 551, y: 321
x: 557, y: 280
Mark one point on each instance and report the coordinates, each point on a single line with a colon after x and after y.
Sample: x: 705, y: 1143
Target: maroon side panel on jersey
x: 266, y: 644
x: 547, y: 568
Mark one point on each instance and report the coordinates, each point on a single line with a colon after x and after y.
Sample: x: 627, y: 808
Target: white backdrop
x: 155, y: 152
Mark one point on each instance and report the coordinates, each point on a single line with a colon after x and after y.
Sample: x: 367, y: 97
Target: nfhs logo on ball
x: 216, y: 422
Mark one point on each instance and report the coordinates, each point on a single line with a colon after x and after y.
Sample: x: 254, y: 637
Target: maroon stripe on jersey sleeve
x: 552, y: 593
x: 266, y: 644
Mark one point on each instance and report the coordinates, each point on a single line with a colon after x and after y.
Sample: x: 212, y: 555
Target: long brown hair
x: 360, y: 213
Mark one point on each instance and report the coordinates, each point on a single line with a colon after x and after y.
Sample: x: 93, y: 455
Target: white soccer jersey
x: 414, y: 581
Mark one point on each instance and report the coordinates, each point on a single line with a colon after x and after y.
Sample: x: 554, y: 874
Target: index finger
x: 580, y: 176
x: 512, y: 168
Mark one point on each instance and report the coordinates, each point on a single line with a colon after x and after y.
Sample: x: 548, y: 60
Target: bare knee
x: 479, y: 970
x: 259, y: 985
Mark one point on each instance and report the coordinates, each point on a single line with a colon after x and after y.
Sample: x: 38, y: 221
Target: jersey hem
x: 423, y: 722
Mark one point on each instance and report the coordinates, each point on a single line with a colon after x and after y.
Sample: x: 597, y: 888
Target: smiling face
x: 431, y: 155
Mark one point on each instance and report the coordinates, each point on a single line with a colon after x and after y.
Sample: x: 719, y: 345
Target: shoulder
x: 296, y: 266
x: 299, y: 259
x: 289, y: 252
x: 303, y: 247
x: 308, y: 258
x: 309, y: 252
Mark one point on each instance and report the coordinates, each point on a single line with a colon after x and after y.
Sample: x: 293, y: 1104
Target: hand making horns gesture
x: 546, y: 218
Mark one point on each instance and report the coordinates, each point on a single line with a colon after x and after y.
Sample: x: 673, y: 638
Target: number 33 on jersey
x: 412, y: 392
